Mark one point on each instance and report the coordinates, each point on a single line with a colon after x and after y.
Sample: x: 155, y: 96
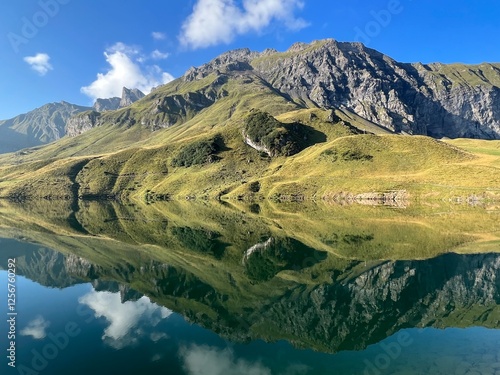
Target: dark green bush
x: 254, y: 187
x: 264, y: 130
x: 198, y: 153
x: 352, y: 155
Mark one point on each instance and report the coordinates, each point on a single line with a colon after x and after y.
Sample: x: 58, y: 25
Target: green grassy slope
x: 133, y: 151
x: 337, y: 163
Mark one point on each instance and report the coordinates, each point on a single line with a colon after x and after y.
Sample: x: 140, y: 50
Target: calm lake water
x: 117, y: 290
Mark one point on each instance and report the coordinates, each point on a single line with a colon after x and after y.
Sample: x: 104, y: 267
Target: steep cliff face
x: 82, y: 123
x: 130, y: 96
x: 437, y: 100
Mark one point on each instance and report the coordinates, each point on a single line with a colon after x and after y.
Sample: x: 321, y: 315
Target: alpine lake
x: 258, y: 288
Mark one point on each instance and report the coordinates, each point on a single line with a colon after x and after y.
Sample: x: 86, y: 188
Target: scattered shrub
x: 254, y: 187
x: 198, y: 153
x: 352, y: 155
x: 349, y: 155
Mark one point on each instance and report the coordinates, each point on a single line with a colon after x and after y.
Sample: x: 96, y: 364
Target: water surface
x: 165, y: 290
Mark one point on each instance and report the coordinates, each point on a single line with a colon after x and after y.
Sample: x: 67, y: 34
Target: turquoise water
x: 67, y: 324
x: 141, y: 337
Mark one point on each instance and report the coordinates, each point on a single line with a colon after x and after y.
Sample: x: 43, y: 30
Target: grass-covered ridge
x: 334, y: 161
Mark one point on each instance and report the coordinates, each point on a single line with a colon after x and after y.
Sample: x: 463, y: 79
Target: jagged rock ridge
x: 129, y: 96
x: 436, y: 100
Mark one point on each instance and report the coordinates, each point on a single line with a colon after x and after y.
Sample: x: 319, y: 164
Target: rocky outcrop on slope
x: 82, y: 123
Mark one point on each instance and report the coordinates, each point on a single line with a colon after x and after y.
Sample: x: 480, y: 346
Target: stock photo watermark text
x: 30, y: 26
x: 11, y: 312
x: 380, y: 20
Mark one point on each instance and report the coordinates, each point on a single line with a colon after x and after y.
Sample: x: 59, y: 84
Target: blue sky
x: 77, y: 50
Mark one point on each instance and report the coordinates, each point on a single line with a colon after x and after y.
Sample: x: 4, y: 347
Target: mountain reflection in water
x: 335, y: 280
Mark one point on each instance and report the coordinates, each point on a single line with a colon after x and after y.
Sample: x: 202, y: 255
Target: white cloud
x: 127, y: 68
x: 36, y: 328
x: 127, y: 321
x: 167, y: 77
x: 158, y: 55
x: 200, y: 360
x: 220, y: 21
x: 39, y: 63
x: 158, y: 35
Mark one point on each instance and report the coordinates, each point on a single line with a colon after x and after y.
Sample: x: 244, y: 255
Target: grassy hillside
x: 464, y: 75
x: 337, y: 163
x: 201, y: 138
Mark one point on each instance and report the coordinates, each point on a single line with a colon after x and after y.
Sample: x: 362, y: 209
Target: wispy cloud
x: 214, y: 361
x: 157, y: 35
x: 36, y: 328
x: 158, y: 55
x: 127, y: 67
x: 205, y: 359
x: 219, y: 21
x: 39, y: 63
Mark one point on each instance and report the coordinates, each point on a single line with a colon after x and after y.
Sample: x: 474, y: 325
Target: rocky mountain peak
x: 110, y: 104
x: 41, y: 125
x: 438, y: 100
x: 235, y: 60
x: 130, y: 96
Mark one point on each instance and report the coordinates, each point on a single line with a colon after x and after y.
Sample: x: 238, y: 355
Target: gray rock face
x: 111, y: 104
x: 82, y: 123
x: 436, y: 100
x: 130, y: 96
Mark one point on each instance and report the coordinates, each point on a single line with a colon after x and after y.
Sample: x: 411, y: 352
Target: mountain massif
x: 438, y: 100
x: 42, y: 125
x: 49, y: 122
x: 248, y: 124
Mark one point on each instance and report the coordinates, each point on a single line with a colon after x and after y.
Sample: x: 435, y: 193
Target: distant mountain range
x: 48, y: 123
x: 42, y: 125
